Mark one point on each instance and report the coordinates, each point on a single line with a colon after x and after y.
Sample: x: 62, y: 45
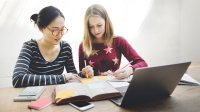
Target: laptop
x: 151, y: 84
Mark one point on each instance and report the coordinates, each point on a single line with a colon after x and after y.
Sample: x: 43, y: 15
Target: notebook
x: 151, y: 84
x: 188, y: 80
x: 29, y: 93
x: 40, y: 103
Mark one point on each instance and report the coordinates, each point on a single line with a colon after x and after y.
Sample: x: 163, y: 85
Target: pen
x: 121, y: 70
x: 127, y: 64
x: 109, y: 73
x: 85, y: 63
x: 85, y: 66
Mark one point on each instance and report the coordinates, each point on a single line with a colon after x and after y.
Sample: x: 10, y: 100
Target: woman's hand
x: 123, y: 73
x: 109, y: 72
x: 71, y: 76
x: 88, y: 72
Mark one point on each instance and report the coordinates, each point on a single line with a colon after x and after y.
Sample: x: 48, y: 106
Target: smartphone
x: 82, y: 105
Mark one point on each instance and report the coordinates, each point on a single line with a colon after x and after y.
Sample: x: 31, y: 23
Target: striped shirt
x: 32, y: 69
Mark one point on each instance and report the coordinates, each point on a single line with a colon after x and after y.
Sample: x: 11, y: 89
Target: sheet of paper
x: 118, y: 84
x: 113, y: 79
x: 188, y: 79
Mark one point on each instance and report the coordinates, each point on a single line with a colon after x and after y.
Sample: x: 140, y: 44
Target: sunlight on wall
x: 126, y: 15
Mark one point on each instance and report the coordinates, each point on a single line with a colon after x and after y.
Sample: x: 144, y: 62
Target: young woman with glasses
x: 42, y: 61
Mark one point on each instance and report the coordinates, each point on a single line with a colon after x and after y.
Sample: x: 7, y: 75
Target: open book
x: 94, y: 91
x: 188, y: 80
x: 109, y: 78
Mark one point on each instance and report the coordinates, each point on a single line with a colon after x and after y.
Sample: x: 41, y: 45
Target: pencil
x: 127, y: 64
x: 85, y: 63
x: 86, y: 69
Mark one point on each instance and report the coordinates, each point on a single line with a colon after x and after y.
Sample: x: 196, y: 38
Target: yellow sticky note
x: 65, y: 94
x: 87, y: 80
x: 93, y: 79
x: 101, y: 77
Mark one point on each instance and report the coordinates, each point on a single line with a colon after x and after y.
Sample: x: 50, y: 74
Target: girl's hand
x: 88, y: 72
x: 109, y: 72
x: 123, y: 73
x: 71, y: 76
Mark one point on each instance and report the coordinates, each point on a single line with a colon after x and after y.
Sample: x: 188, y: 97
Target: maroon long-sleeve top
x: 106, y: 58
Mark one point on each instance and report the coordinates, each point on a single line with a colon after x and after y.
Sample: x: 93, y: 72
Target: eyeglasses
x: 57, y: 32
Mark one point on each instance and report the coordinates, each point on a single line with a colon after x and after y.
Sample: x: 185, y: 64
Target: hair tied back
x: 34, y: 18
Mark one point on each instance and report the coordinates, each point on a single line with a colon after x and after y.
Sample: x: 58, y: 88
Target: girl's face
x: 97, y: 26
x: 55, y: 30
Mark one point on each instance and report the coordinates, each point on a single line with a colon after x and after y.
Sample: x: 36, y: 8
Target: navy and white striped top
x: 32, y: 69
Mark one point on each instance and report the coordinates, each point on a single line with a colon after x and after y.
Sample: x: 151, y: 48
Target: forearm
x: 139, y: 63
x: 23, y: 80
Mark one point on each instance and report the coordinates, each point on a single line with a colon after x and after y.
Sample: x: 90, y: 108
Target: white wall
x: 16, y: 28
x: 170, y: 32
x: 190, y: 30
x: 159, y: 35
x: 162, y: 31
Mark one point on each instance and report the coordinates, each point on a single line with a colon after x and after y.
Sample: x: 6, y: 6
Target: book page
x: 118, y: 84
x: 94, y: 79
x: 101, y: 88
x: 106, y: 78
x: 68, y: 90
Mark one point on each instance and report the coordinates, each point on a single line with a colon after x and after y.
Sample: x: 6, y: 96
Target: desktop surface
x: 183, y: 99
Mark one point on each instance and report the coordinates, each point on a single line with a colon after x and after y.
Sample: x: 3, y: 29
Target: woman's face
x: 97, y: 26
x: 55, y: 30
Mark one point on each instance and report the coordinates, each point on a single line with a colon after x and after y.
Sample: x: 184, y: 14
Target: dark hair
x: 46, y: 16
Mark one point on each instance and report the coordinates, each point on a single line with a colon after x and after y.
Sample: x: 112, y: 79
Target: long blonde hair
x: 96, y: 10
